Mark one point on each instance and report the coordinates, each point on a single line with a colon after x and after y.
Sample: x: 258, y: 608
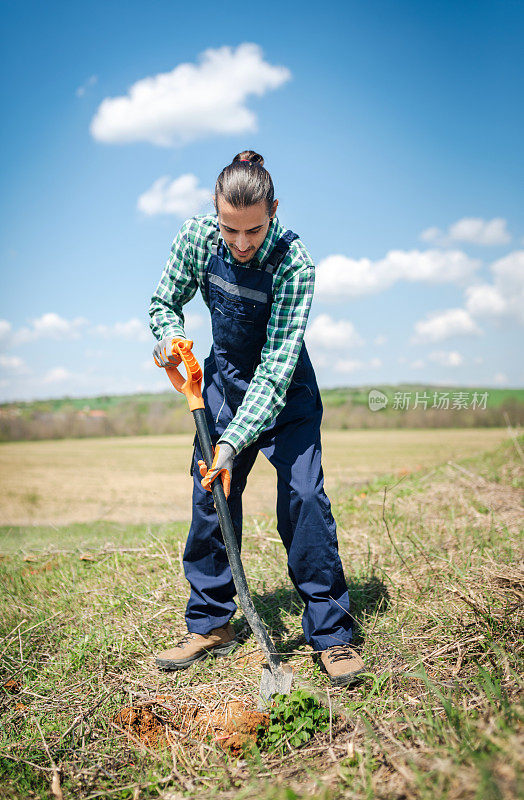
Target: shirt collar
x: 274, y: 232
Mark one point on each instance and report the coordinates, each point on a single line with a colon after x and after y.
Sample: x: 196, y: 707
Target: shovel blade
x: 276, y: 681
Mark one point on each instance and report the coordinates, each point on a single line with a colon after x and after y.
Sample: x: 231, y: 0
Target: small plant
x: 293, y: 720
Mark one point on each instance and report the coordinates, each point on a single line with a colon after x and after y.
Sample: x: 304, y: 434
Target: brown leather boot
x: 195, y: 647
x: 341, y: 663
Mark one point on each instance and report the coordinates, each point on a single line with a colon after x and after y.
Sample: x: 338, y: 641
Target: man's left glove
x: 222, y: 465
x: 163, y: 352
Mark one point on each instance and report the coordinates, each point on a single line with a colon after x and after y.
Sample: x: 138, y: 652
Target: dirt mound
x: 142, y: 724
x: 232, y: 724
x: 236, y: 725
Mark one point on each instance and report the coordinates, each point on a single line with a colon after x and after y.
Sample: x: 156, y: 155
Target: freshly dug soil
x: 233, y: 724
x: 237, y: 725
x: 143, y: 724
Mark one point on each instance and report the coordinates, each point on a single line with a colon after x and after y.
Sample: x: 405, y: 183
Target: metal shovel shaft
x: 233, y: 554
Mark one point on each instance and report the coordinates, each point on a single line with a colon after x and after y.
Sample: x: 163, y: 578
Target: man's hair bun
x: 245, y: 182
x: 250, y: 157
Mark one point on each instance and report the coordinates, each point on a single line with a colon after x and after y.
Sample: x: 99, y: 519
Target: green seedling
x: 293, y: 720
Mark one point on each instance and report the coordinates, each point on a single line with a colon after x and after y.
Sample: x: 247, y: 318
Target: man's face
x: 244, y: 229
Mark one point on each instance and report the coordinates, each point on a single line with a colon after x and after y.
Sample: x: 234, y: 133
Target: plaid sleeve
x: 177, y: 286
x: 266, y: 394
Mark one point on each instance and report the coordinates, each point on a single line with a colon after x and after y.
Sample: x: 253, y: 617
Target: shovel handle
x: 190, y: 386
x: 233, y: 553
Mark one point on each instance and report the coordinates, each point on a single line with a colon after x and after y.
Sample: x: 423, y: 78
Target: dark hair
x: 245, y: 182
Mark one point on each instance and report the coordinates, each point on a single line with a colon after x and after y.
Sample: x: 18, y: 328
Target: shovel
x: 276, y: 678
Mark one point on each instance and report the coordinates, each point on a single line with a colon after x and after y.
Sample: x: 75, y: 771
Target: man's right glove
x: 163, y: 352
x: 222, y: 465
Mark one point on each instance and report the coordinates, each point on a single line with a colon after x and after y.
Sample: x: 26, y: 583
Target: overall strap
x: 214, y: 245
x: 280, y: 251
x: 214, y: 252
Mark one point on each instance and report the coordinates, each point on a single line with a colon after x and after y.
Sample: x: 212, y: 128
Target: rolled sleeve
x: 177, y: 286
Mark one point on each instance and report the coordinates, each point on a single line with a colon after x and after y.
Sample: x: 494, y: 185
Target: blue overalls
x: 240, y: 299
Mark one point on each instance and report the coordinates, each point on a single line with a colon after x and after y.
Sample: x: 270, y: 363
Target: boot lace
x: 340, y: 652
x: 185, y: 639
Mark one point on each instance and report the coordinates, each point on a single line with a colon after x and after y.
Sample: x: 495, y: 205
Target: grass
x: 408, y: 406
x: 336, y: 396
x: 433, y: 560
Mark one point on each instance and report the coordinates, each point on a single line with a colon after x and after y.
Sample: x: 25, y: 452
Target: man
x: 261, y: 394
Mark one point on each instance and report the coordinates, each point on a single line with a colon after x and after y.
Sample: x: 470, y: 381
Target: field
x: 146, y: 479
x: 430, y: 533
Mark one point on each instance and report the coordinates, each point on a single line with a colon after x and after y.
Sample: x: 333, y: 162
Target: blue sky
x: 393, y: 135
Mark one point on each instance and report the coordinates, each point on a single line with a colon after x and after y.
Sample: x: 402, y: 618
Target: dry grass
x: 434, y: 568
x: 145, y: 479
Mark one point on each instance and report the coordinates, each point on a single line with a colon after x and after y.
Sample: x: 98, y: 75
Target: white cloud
x: 500, y: 378
x: 480, y: 231
x: 446, y: 358
x: 80, y: 92
x: 431, y: 234
x: 50, y: 326
x: 326, y: 333
x: 502, y: 298
x: 326, y: 337
x: 5, y: 333
x: 53, y: 325
x: 57, y: 375
x: 329, y: 342
x: 505, y: 297
x: 134, y: 329
x: 12, y: 365
x: 182, y: 197
x: 442, y: 325
x: 380, y: 340
x: 473, y: 230
x: 338, y: 276
x: 484, y: 300
x: 191, y: 101
x: 508, y: 273
x: 417, y: 364
x: 348, y: 365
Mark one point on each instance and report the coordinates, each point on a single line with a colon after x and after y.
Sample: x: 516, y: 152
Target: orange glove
x: 222, y: 465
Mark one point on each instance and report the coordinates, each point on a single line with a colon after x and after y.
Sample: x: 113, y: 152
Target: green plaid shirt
x: 293, y: 284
